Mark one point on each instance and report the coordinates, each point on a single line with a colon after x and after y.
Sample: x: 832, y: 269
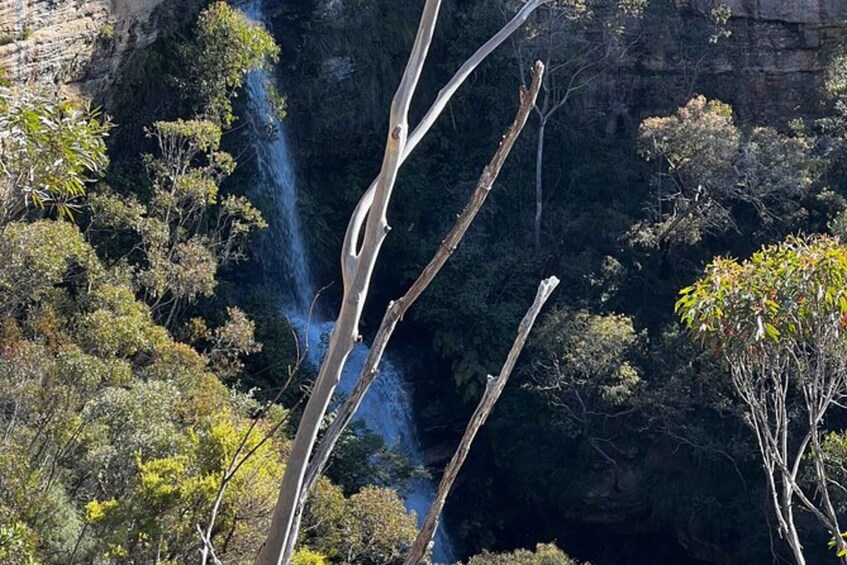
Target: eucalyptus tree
x: 363, y: 240
x: 706, y: 164
x: 584, y: 366
x: 50, y: 149
x: 187, y: 230
x: 779, y: 322
x: 578, y: 41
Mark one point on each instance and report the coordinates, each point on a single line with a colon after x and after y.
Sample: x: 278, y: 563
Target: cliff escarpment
x: 771, y: 64
x: 78, y: 45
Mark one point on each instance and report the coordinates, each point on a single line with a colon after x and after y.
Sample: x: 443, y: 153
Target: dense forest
x: 175, y: 197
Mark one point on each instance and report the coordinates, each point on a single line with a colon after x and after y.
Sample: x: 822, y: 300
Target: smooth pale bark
x: 398, y: 308
x: 548, y: 108
x: 438, y: 106
x: 357, y: 268
x: 539, y: 194
x: 765, y: 388
x: 493, y: 389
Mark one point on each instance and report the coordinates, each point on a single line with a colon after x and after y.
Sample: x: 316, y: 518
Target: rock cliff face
x: 769, y: 67
x: 776, y: 51
x: 78, y: 45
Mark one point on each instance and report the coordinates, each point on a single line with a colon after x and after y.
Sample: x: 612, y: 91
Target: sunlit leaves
x: 707, y: 165
x: 36, y: 257
x: 187, y: 230
x: 586, y: 354
x: 17, y: 541
x: 371, y: 527
x: 784, y: 294
x: 119, y: 324
x: 227, y: 46
x: 778, y: 320
x: 544, y: 554
x: 305, y: 556
x: 50, y: 149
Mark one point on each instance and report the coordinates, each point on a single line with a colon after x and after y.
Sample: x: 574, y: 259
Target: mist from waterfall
x: 387, y: 408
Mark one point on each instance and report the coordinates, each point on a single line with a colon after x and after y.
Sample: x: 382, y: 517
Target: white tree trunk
x: 357, y: 268
x: 359, y: 261
x: 441, y: 101
x: 539, y: 193
x: 493, y: 388
x: 398, y: 308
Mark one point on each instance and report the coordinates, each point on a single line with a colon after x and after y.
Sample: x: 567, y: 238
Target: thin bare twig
x: 493, y: 389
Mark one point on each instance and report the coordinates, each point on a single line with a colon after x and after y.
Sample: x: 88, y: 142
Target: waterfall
x: 387, y: 408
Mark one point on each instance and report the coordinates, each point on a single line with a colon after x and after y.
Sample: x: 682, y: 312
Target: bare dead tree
x: 358, y: 261
x: 493, y: 389
x: 398, y: 308
x: 359, y: 254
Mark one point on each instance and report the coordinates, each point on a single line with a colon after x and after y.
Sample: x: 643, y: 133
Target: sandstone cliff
x: 78, y: 45
x: 769, y: 67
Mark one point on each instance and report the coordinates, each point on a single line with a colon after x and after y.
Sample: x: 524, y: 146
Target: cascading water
x: 387, y: 408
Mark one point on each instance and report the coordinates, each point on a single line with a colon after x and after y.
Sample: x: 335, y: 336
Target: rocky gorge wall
x: 77, y: 45
x: 776, y: 51
x: 769, y: 67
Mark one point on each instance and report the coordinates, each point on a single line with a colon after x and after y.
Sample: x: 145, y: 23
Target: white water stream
x: 387, y: 408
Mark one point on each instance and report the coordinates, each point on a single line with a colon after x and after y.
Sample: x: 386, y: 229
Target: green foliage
x: 835, y: 82
x: 173, y: 490
x: 371, y: 527
x: 487, y: 288
x: 96, y: 395
x: 377, y: 528
x: 361, y: 458
x: 50, y: 148
x: 227, y: 344
x: 117, y: 439
x: 106, y: 33
x: 720, y: 15
x: 544, y: 554
x: 782, y: 297
x: 835, y: 458
x: 778, y: 320
x: 227, y: 46
x: 36, y: 257
x: 118, y: 325
x: 706, y: 164
x: 305, y: 556
x: 588, y: 354
x: 17, y: 542
x: 187, y: 231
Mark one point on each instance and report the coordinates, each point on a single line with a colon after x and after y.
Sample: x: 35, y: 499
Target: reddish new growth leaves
x: 786, y: 296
